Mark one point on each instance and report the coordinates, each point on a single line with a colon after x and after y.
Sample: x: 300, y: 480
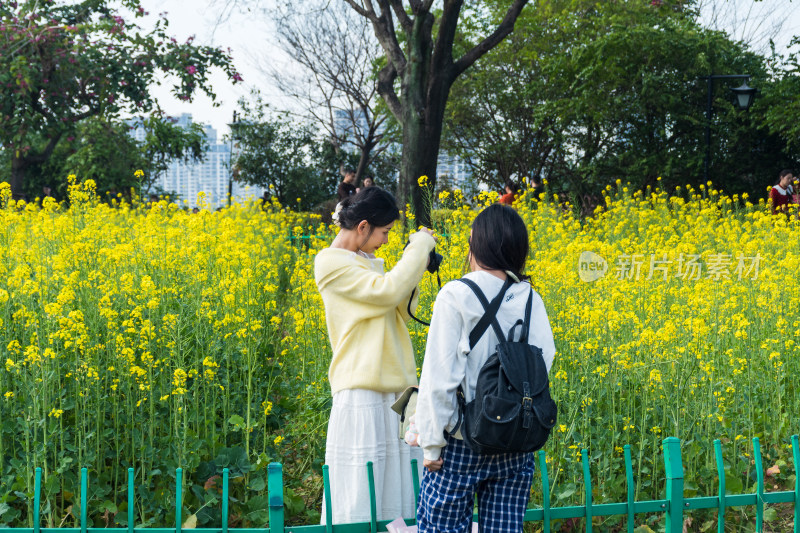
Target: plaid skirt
x: 502, y: 483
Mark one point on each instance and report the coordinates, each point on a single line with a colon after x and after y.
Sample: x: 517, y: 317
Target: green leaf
x: 770, y: 514
x: 108, y: 506
x: 294, y: 503
x: 190, y: 522
x: 258, y: 518
x: 258, y: 483
x: 258, y: 503
x: 569, y: 491
x: 237, y: 422
x: 733, y: 485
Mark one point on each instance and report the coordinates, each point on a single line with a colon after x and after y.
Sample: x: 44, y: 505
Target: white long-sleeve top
x: 448, y: 361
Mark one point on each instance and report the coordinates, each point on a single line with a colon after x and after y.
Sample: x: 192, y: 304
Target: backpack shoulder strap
x: 490, y: 314
x: 524, y: 324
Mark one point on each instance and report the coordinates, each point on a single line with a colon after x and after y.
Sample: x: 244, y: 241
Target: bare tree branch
x: 46, y: 153
x: 402, y: 16
x: 366, y: 13
x: 336, y: 84
x: 442, y: 59
x: 505, y: 27
x: 754, y: 23
x: 386, y: 78
x: 387, y: 36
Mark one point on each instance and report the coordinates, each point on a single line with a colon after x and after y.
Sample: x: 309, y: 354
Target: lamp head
x: 744, y: 96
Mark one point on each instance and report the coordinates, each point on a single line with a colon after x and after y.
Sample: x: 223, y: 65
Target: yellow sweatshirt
x: 366, y: 311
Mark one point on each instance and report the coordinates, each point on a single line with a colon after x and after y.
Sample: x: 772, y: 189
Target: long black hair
x: 375, y: 205
x: 783, y: 172
x: 500, y: 240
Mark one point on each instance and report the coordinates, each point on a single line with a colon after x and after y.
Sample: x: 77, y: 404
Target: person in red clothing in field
x: 511, y: 193
x: 781, y: 193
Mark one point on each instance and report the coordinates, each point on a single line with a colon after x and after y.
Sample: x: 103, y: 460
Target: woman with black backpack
x: 463, y: 342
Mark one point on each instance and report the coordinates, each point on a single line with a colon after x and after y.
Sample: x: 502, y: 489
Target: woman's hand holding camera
x: 434, y: 259
x: 429, y: 232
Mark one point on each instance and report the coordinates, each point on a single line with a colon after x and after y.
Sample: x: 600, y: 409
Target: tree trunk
x: 424, y: 95
x: 18, y: 166
x: 420, y: 157
x: 427, y: 72
x: 364, y: 159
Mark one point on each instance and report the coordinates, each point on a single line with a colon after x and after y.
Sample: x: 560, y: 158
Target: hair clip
x: 335, y: 214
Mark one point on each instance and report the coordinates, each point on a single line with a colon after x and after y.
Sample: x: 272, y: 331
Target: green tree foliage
x: 587, y: 92
x: 166, y: 142
x: 273, y: 152
x: 285, y: 156
x: 63, y: 63
x: 782, y: 104
x: 103, y: 150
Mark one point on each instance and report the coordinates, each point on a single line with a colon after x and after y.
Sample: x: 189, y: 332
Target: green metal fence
x: 674, y: 504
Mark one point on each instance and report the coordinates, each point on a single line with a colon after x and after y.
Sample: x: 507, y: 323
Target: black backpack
x: 512, y: 411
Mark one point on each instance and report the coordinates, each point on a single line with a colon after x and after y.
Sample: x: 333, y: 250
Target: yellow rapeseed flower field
x: 146, y: 336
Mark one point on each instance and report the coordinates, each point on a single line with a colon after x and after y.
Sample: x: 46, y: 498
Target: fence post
x: 84, y: 498
x: 796, y: 456
x: 673, y: 465
x: 373, y: 504
x: 630, y: 487
x: 326, y: 483
x: 545, y: 492
x: 178, y: 499
x: 415, y: 481
x: 130, y: 500
x: 587, y: 485
x: 275, y: 489
x: 722, y: 489
x: 225, y: 479
x: 37, y: 500
x: 759, y: 485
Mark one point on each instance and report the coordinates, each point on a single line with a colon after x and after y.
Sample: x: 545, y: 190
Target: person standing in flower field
x: 366, y: 311
x: 510, y: 193
x: 781, y: 194
x: 454, y: 474
x: 366, y: 182
x: 347, y: 187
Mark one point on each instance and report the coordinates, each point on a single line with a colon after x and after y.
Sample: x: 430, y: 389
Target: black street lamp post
x: 230, y: 161
x: 744, y: 99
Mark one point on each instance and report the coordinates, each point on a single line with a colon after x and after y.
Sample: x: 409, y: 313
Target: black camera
x: 434, y: 261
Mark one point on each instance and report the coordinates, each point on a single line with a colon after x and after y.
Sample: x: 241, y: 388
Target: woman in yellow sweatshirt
x: 366, y: 311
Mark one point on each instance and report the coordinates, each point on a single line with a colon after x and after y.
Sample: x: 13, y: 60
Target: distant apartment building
x: 450, y: 167
x: 343, y: 125
x: 454, y: 170
x: 210, y: 176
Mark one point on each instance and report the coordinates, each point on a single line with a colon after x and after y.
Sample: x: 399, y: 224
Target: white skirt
x: 363, y: 428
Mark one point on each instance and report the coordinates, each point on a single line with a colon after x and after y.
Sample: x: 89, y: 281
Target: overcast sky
x: 248, y: 36
x: 251, y: 38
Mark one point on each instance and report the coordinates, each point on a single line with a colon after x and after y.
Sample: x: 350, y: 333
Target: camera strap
x: 439, y: 281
